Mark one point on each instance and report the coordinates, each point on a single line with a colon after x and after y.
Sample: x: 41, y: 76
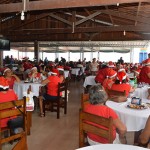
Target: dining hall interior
x: 64, y: 38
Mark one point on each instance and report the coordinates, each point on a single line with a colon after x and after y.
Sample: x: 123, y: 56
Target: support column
x: 1, y: 58
x: 36, y: 50
x: 91, y: 53
x: 68, y: 56
x: 131, y: 55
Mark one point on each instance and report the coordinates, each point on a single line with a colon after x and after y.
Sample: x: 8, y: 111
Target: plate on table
x: 138, y: 107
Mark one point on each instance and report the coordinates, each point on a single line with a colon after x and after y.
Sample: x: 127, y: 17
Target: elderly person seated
x: 96, y: 105
x: 122, y: 85
x: 34, y: 75
x: 52, y: 88
x: 144, y: 138
x: 11, y: 78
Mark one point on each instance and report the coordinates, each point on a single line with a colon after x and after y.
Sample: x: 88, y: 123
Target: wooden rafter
x: 57, y: 4
x: 130, y: 28
x: 138, y: 12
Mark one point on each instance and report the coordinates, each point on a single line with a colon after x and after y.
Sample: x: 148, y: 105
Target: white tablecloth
x: 75, y: 71
x: 141, y: 92
x: 22, y: 87
x: 66, y: 73
x: 112, y: 147
x: 134, y: 119
x: 89, y: 80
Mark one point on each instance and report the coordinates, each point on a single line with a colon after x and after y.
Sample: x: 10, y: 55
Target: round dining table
x: 112, y: 147
x: 134, y: 119
x: 21, y: 87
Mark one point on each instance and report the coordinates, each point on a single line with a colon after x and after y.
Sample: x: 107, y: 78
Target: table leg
x: 29, y: 121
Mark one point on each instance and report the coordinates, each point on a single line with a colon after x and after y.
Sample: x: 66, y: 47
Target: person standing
x: 94, y: 67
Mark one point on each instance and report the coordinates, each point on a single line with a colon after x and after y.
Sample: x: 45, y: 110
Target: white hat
x: 7, y: 69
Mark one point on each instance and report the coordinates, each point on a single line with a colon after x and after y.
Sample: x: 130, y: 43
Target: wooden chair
x: 84, y: 100
x: 60, y: 102
x: 117, y: 96
x: 10, y: 109
x: 86, y: 125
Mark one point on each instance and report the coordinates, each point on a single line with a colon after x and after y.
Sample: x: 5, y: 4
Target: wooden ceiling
x: 75, y: 20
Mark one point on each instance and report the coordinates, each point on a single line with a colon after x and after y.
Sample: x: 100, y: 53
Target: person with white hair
x: 96, y: 106
x: 34, y: 74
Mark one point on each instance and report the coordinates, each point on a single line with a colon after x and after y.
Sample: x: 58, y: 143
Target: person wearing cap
x: 102, y: 74
x: 144, y: 75
x: 6, y: 95
x: 11, y: 78
x: 34, y: 74
x: 121, y: 84
x: 110, y: 79
x: 52, y: 88
x: 96, y: 106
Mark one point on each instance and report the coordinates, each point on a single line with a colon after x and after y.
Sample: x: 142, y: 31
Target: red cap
x: 111, y: 73
x: 121, y: 76
x: 110, y: 64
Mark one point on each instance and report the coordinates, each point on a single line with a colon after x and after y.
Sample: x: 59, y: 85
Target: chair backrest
x: 62, y: 87
x: 114, y: 93
x: 85, y: 126
x: 84, y: 100
x: 11, y: 109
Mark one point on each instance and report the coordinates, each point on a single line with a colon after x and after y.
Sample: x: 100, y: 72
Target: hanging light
x: 117, y: 4
x: 22, y: 15
x: 124, y: 32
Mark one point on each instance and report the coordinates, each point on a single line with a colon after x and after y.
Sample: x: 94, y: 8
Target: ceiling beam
x: 57, y: 4
x: 99, y: 29
x: 60, y: 19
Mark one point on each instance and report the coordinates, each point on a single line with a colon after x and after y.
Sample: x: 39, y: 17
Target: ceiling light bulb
x: 117, y: 4
x: 22, y: 17
x: 124, y: 32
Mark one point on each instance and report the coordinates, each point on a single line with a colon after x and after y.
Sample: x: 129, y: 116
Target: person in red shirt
x: 6, y: 95
x: 102, y: 74
x: 52, y: 89
x: 11, y: 78
x: 110, y: 79
x: 121, y: 83
x: 97, y: 98
x: 144, y: 75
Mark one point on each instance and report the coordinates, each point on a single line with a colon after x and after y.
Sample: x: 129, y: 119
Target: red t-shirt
x: 52, y: 86
x: 143, y: 74
x: 102, y: 74
x: 11, y: 82
x: 7, y: 97
x: 104, y: 111
x: 107, y: 84
x: 122, y: 87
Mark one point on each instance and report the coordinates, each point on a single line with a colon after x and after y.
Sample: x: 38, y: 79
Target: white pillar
x: 131, y: 55
x: 91, y: 53
x: 68, y: 56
